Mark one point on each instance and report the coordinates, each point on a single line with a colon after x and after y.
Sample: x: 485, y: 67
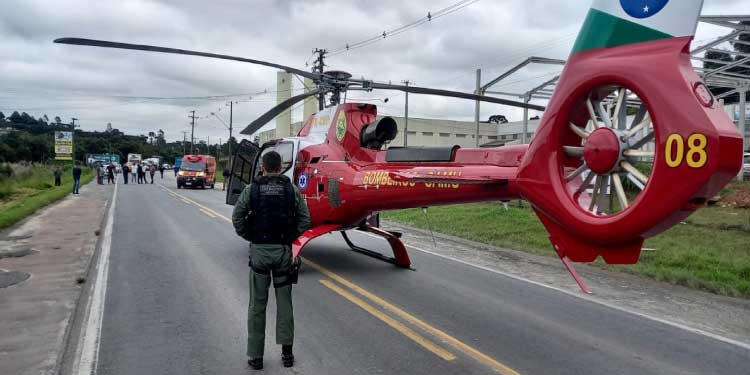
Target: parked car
x: 166, y: 166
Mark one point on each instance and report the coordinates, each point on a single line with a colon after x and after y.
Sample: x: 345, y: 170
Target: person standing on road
x: 152, y: 172
x: 76, y: 178
x: 100, y: 176
x: 226, y: 175
x: 161, y: 171
x: 110, y: 174
x: 270, y: 213
x: 133, y: 171
x: 125, y: 173
x: 58, y: 176
x: 141, y: 174
x: 176, y: 169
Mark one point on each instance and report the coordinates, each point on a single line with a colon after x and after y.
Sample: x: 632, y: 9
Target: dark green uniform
x: 269, y: 261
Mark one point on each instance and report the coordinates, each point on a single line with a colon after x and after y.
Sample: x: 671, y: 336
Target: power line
x: 403, y: 28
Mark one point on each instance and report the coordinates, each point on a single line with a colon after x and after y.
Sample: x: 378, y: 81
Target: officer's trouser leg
x: 284, y: 316
x: 256, y: 316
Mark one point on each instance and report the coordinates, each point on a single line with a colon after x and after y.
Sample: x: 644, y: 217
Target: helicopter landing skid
x: 400, y: 258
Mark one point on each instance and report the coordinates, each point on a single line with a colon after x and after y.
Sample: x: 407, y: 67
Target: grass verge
x: 709, y: 251
x: 33, y: 192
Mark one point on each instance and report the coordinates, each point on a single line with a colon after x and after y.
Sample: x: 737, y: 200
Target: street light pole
x: 230, y: 128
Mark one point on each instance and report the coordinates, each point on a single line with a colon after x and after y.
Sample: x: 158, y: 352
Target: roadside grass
x: 32, y: 188
x: 709, y: 251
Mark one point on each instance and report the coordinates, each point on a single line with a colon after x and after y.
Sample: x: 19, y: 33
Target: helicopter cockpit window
x: 285, y: 149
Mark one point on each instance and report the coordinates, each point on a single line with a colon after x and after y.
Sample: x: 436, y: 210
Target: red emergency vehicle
x: 197, y: 171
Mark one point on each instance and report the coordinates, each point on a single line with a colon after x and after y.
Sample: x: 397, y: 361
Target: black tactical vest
x: 272, y: 201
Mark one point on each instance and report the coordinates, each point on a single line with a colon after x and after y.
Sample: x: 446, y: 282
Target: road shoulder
x: 713, y: 315
x: 36, y: 314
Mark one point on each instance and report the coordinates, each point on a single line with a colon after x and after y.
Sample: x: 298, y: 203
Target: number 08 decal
x: 695, y: 156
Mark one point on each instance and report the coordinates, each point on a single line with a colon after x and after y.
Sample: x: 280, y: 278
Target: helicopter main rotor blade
x: 454, y: 94
x: 275, y: 111
x: 143, y: 47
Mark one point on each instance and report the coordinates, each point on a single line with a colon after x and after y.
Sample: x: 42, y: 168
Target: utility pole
x: 73, y: 123
x: 230, y: 130
x: 406, y: 115
x: 192, y: 131
x: 319, y: 67
x: 184, y: 140
x: 476, y: 105
x: 218, y: 151
x: 208, y: 145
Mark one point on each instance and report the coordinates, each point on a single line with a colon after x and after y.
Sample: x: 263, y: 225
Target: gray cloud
x: 43, y: 78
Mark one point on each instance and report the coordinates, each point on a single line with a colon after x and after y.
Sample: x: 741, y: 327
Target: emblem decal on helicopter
x: 302, y: 181
x: 341, y: 126
x: 643, y: 8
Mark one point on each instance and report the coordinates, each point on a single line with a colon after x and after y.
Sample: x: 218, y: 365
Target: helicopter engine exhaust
x: 375, y: 135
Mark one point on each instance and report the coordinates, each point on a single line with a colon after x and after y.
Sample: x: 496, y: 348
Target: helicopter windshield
x: 285, y: 149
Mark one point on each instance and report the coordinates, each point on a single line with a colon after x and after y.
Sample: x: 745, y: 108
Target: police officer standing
x: 270, y: 213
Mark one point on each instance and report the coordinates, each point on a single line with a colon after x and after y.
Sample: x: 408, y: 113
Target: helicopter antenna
x: 318, y: 67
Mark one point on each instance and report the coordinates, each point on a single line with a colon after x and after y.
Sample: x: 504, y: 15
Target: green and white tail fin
x: 612, y: 23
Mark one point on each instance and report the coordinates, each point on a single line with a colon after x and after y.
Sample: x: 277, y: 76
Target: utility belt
x: 288, y: 276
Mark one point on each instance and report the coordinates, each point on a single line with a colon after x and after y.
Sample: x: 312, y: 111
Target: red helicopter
x: 631, y: 143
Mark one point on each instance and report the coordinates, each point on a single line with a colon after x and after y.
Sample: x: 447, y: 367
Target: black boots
x: 287, y: 358
x: 256, y: 363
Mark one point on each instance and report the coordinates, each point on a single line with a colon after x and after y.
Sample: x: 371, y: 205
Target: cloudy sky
x: 140, y: 92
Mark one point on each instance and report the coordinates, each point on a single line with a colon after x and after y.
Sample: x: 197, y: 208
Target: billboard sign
x: 63, y: 145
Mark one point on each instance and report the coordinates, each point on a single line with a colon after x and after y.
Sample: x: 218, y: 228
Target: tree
x: 58, y: 120
x: 46, y: 119
x: 2, y: 116
x: 16, y: 118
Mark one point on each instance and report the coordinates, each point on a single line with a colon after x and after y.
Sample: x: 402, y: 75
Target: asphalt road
x: 177, y: 298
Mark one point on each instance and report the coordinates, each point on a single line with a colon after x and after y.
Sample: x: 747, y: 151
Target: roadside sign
x: 63, y: 145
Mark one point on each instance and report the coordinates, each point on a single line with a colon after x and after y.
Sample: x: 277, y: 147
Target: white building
x: 428, y: 132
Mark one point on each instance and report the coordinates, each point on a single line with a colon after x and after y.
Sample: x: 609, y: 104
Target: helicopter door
x: 242, y: 172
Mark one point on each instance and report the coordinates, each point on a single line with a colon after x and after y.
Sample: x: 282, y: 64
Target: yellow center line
x: 208, y: 213
x: 197, y: 204
x: 406, y: 331
x: 470, y: 351
x: 450, y: 340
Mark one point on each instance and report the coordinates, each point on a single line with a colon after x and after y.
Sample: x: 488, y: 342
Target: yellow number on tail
x: 696, y: 146
x: 674, y: 139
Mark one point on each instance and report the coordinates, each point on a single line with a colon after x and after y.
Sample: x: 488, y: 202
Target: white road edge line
x: 699, y: 331
x: 93, y: 323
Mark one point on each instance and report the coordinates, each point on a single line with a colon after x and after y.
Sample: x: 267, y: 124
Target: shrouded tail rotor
x: 631, y: 144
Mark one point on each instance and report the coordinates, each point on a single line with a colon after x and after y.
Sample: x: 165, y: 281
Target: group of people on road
x: 135, y: 172
x: 138, y: 172
x: 109, y: 171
